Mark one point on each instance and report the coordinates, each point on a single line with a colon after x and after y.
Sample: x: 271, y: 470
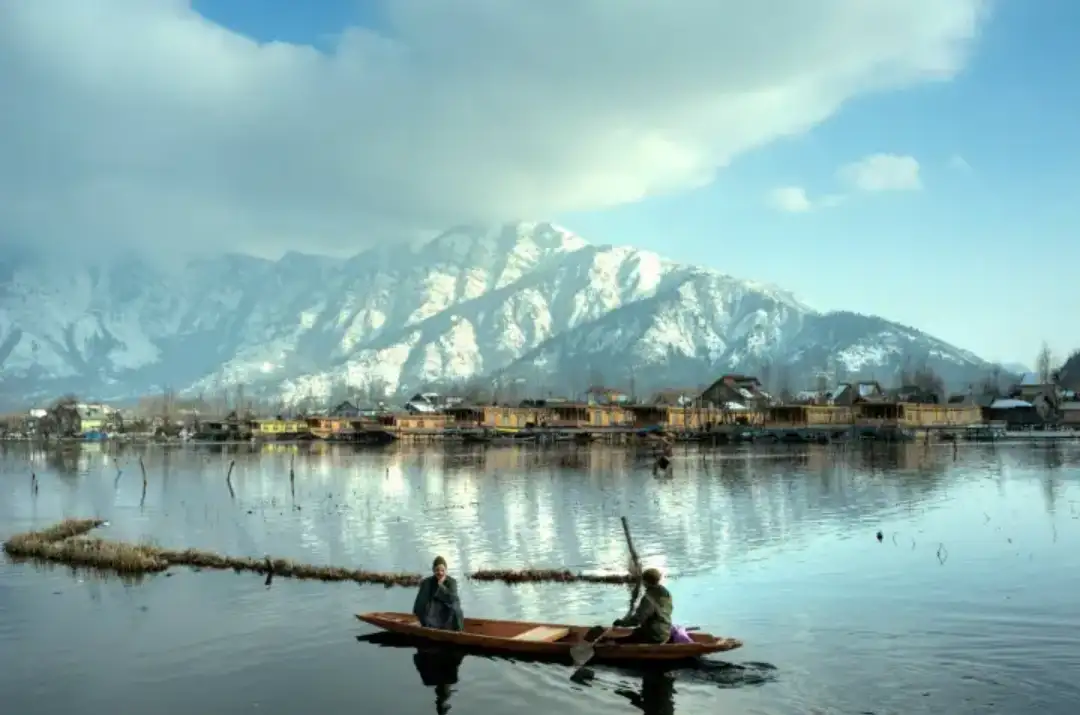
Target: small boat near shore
x: 546, y: 640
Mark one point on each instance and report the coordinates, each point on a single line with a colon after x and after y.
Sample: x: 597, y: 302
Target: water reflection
x: 395, y: 509
x: 773, y: 546
x: 648, y: 687
x: 438, y: 669
x: 656, y: 696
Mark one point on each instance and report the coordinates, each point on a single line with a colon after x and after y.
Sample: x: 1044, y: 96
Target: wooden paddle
x: 584, y: 651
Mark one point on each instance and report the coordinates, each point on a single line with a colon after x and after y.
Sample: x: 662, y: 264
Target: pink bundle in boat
x: 679, y: 635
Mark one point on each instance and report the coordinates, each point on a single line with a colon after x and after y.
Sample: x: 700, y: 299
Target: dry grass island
x: 69, y: 543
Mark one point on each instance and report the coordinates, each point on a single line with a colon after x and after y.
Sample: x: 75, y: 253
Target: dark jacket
x: 438, y: 606
x: 652, y: 619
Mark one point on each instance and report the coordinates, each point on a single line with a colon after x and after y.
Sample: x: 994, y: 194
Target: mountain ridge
x: 530, y: 302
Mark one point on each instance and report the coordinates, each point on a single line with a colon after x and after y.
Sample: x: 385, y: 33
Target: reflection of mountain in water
x: 515, y: 508
x: 395, y: 509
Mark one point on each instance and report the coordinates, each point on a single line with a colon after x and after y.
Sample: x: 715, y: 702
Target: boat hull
x: 511, y: 638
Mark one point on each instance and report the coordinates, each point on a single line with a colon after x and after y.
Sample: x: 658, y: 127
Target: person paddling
x: 437, y: 604
x: 652, y: 619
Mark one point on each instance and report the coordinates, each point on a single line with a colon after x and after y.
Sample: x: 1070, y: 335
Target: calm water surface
x: 968, y: 604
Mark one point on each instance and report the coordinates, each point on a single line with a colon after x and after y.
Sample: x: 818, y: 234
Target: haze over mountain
x: 530, y: 303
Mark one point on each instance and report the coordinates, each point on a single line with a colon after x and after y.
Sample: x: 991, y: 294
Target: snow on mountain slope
x: 527, y: 301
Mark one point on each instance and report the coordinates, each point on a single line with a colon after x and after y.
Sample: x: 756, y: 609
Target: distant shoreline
x: 1004, y: 437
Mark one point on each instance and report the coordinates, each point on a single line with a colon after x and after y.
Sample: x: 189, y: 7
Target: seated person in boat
x: 437, y: 604
x: 652, y: 619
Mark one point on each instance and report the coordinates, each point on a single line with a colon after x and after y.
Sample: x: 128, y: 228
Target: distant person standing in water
x: 437, y: 604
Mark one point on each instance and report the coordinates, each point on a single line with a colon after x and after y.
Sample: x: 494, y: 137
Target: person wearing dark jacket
x: 437, y: 604
x: 652, y: 619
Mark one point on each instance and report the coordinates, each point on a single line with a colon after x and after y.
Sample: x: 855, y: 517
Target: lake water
x: 967, y: 605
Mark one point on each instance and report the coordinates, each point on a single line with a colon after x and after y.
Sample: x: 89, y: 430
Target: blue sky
x: 984, y: 256
x: 988, y: 258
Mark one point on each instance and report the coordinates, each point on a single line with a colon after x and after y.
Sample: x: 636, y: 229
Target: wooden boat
x: 551, y: 640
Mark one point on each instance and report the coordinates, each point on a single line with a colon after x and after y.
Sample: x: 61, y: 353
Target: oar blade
x: 584, y: 650
x: 582, y: 653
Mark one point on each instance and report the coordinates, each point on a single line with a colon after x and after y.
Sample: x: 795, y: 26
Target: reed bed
x: 68, y: 543
x: 514, y: 576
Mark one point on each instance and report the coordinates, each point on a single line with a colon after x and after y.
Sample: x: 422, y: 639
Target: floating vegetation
x: 68, y: 543
x: 512, y: 576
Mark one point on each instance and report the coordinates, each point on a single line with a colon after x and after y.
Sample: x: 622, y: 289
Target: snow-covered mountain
x: 530, y: 303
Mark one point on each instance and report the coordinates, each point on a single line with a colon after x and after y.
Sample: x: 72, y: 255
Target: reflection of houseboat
x: 502, y: 436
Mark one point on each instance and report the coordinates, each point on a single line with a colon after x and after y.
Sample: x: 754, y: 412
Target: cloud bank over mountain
x: 138, y: 123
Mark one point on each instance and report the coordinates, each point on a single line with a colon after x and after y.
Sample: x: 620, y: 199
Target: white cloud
x: 794, y: 199
x: 790, y: 199
x: 136, y: 121
x: 882, y: 172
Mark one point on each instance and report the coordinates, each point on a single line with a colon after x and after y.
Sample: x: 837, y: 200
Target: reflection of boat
x: 546, y: 639
x: 500, y: 435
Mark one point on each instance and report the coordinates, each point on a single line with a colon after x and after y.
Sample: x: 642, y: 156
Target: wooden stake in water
x: 269, y: 573
x: 228, y: 479
x: 143, y: 468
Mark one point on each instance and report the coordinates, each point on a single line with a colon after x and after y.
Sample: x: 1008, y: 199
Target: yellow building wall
x: 278, y: 427
x: 421, y: 422
x: 787, y: 416
x: 269, y: 427
x: 610, y: 416
x: 828, y: 415
x: 940, y: 415
x: 91, y: 424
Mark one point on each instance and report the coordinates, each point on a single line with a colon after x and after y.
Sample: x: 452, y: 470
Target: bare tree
x: 596, y: 377
x: 990, y: 385
x: 928, y: 381
x: 765, y: 374
x: 905, y: 376
x: 62, y: 418
x: 339, y: 392
x: 1067, y: 375
x: 783, y: 383
x: 374, y: 392
x: 1044, y: 364
x: 514, y: 391
x: 476, y: 391
x: 821, y: 383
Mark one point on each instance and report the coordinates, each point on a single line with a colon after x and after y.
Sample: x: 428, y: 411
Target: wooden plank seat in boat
x: 543, y: 634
